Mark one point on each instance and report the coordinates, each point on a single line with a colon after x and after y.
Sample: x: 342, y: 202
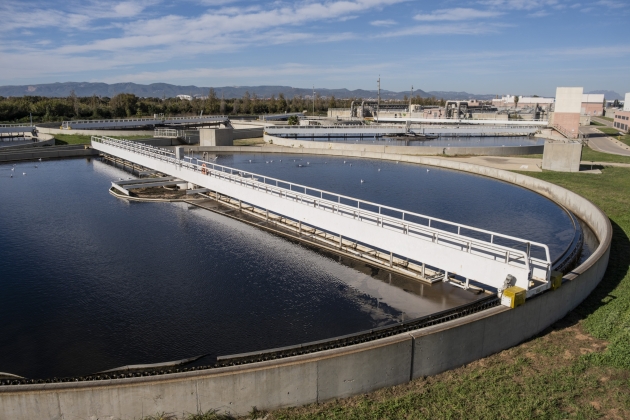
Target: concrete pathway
x: 523, y: 164
x: 506, y: 163
x: 603, y: 121
x: 602, y: 143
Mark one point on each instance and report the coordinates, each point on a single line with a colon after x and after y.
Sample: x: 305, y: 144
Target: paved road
x: 603, y: 121
x: 602, y: 143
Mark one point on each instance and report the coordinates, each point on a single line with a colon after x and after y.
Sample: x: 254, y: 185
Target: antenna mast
x: 378, y: 101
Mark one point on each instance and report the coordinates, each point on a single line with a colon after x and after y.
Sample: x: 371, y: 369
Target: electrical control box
x: 513, y: 296
x: 556, y: 280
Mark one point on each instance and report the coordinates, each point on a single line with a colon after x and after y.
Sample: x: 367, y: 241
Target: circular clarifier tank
x: 444, y: 141
x: 91, y: 282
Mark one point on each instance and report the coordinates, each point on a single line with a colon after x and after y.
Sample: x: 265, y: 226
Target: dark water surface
x: 485, y: 141
x: 89, y: 282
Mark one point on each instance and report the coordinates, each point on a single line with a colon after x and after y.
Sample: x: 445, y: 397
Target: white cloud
x: 78, y: 17
x: 127, y: 9
x: 456, y: 14
x: 540, y: 13
x: 388, y: 22
x: 613, y: 4
x: 519, y: 4
x: 450, y: 29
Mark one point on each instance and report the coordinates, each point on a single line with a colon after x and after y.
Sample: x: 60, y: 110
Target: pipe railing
x: 373, y: 213
x: 144, y: 121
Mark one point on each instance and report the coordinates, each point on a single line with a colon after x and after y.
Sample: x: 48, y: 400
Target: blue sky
x: 486, y: 46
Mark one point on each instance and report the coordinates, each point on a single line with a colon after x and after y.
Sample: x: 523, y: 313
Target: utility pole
x: 411, y: 96
x: 378, y: 98
x: 313, y: 100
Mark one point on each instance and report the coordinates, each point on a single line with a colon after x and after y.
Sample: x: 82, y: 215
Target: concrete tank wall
x: 118, y: 133
x: 562, y: 156
x: 38, y: 141
x: 338, y: 372
x: 46, y: 153
x: 216, y: 136
x: 407, y: 150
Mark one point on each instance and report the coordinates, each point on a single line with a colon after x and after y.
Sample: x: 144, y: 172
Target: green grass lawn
x: 607, y: 118
x: 597, y: 123
x: 578, y: 368
x: 590, y: 155
x: 64, y: 139
x: 249, y: 142
x: 609, y: 130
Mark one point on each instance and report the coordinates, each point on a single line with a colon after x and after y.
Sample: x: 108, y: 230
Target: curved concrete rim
x: 39, y: 140
x: 408, y: 150
x: 462, y: 340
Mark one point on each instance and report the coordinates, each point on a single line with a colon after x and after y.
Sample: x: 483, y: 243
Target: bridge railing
x: 139, y: 121
x: 484, y: 243
x: 340, y: 127
x: 194, y: 118
x: 142, y: 121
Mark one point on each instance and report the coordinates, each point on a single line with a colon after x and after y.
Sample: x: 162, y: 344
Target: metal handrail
x: 252, y: 180
x: 146, y: 119
x: 371, y: 128
x: 197, y: 117
x: 323, y: 127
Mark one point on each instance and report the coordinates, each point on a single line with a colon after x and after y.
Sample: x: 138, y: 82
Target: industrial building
x: 622, y: 117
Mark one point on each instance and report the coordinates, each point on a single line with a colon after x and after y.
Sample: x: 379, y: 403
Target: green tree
x: 124, y: 105
x: 246, y: 103
x: 282, y: 103
x: 75, y: 102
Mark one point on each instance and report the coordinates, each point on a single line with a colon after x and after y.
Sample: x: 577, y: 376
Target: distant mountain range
x: 160, y: 90
x: 608, y: 94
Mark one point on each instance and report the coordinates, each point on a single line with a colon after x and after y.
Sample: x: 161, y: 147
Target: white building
x: 523, y: 101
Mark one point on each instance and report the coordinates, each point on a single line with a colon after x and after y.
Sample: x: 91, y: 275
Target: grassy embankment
x: 578, y: 368
x: 590, y: 155
x: 249, y: 142
x: 64, y: 139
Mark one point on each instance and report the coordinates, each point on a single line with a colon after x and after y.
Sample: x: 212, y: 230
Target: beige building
x: 507, y: 101
x: 566, y: 116
x: 622, y: 121
x: 592, y: 104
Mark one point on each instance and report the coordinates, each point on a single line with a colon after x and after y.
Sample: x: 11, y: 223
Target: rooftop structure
x: 523, y: 101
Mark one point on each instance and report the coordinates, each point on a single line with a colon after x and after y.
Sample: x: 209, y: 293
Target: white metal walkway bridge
x: 141, y: 122
x: 451, y: 249
x: 16, y: 128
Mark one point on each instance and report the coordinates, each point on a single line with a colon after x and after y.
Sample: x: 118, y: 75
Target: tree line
x: 126, y: 105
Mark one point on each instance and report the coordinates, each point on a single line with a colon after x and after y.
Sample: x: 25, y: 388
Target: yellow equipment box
x: 513, y: 297
x: 556, y: 280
